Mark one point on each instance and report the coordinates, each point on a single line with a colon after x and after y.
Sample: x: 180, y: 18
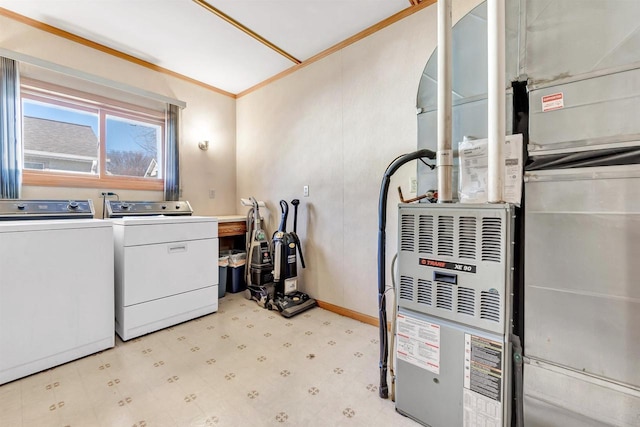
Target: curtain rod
x: 21, y: 57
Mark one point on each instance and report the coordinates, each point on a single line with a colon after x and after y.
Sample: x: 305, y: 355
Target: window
x: 77, y: 139
x: 133, y: 147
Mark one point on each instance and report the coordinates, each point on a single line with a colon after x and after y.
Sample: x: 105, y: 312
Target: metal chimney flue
x: 496, y: 98
x: 444, y: 160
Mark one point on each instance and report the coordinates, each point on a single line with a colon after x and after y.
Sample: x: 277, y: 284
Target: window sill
x: 48, y: 179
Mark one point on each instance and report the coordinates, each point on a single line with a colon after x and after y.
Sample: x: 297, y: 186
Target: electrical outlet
x: 212, y: 194
x: 413, y: 185
x: 305, y: 191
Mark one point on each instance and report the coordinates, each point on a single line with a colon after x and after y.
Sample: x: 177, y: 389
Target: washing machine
x: 56, y: 285
x: 166, y: 265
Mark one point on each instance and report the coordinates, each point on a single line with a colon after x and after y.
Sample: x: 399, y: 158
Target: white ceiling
x: 184, y: 37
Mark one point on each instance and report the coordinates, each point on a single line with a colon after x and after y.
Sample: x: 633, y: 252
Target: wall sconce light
x: 203, y: 145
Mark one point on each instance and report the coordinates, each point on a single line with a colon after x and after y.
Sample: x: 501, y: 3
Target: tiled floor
x: 241, y: 366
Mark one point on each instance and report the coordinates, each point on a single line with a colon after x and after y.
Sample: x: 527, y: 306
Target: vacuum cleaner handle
x: 256, y: 212
x: 295, y: 203
x: 285, y: 212
x: 297, y: 242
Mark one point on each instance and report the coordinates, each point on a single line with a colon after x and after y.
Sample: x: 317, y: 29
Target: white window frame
x: 70, y: 98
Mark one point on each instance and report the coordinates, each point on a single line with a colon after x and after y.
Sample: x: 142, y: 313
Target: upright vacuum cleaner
x: 288, y: 300
x: 259, y: 274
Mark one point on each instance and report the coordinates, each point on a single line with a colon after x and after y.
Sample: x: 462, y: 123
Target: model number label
x: 467, y: 268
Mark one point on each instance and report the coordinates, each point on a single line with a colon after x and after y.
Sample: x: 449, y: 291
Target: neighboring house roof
x: 59, y: 137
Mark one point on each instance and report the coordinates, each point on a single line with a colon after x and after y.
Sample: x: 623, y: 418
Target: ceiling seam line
x: 246, y: 30
x: 339, y: 46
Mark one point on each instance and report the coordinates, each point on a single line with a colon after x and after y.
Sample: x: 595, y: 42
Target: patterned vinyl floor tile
x: 241, y: 366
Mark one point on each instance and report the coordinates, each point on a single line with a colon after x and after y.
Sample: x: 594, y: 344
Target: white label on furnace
x: 555, y: 101
x: 480, y: 411
x: 467, y: 361
x: 474, y: 170
x: 418, y: 343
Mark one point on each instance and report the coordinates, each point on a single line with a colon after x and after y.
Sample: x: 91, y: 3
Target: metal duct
x: 496, y: 96
x: 444, y: 153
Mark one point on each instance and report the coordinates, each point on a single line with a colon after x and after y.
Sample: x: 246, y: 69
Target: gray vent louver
x: 445, y: 235
x: 425, y: 234
x: 425, y: 289
x: 466, y: 301
x: 491, y: 239
x: 467, y: 237
x: 490, y: 306
x: 460, y: 269
x: 406, y: 288
x: 407, y: 233
x: 444, y: 296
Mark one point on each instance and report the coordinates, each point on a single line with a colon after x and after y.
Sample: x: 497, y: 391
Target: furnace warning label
x: 483, y: 366
x: 474, y: 170
x: 552, y: 102
x: 480, y: 411
x: 482, y: 381
x: 418, y: 343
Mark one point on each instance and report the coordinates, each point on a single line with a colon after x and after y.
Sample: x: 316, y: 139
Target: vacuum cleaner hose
x: 382, y: 223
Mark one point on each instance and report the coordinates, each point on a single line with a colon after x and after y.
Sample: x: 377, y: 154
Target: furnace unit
x: 454, y: 321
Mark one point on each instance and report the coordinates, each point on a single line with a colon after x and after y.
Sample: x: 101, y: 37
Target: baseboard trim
x: 349, y: 313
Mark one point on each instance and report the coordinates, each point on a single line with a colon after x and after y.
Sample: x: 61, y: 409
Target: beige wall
x: 208, y: 115
x: 335, y: 126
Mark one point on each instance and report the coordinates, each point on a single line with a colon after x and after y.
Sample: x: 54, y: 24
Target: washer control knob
x: 73, y: 205
x: 164, y: 206
x: 177, y: 206
x: 21, y: 206
x: 125, y: 206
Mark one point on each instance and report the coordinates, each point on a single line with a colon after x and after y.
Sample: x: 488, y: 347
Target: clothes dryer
x: 166, y: 265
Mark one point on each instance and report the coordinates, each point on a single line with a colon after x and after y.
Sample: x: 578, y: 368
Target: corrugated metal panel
x: 554, y: 396
x: 582, y: 305
x: 567, y: 38
x: 596, y: 112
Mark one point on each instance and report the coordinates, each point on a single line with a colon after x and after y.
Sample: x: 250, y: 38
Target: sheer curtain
x: 172, y: 151
x: 10, y: 130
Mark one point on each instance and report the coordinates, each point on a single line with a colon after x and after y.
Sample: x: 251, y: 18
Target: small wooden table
x: 231, y: 231
x: 231, y: 225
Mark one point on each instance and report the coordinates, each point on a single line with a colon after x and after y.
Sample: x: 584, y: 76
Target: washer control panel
x: 119, y: 208
x: 45, y: 209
